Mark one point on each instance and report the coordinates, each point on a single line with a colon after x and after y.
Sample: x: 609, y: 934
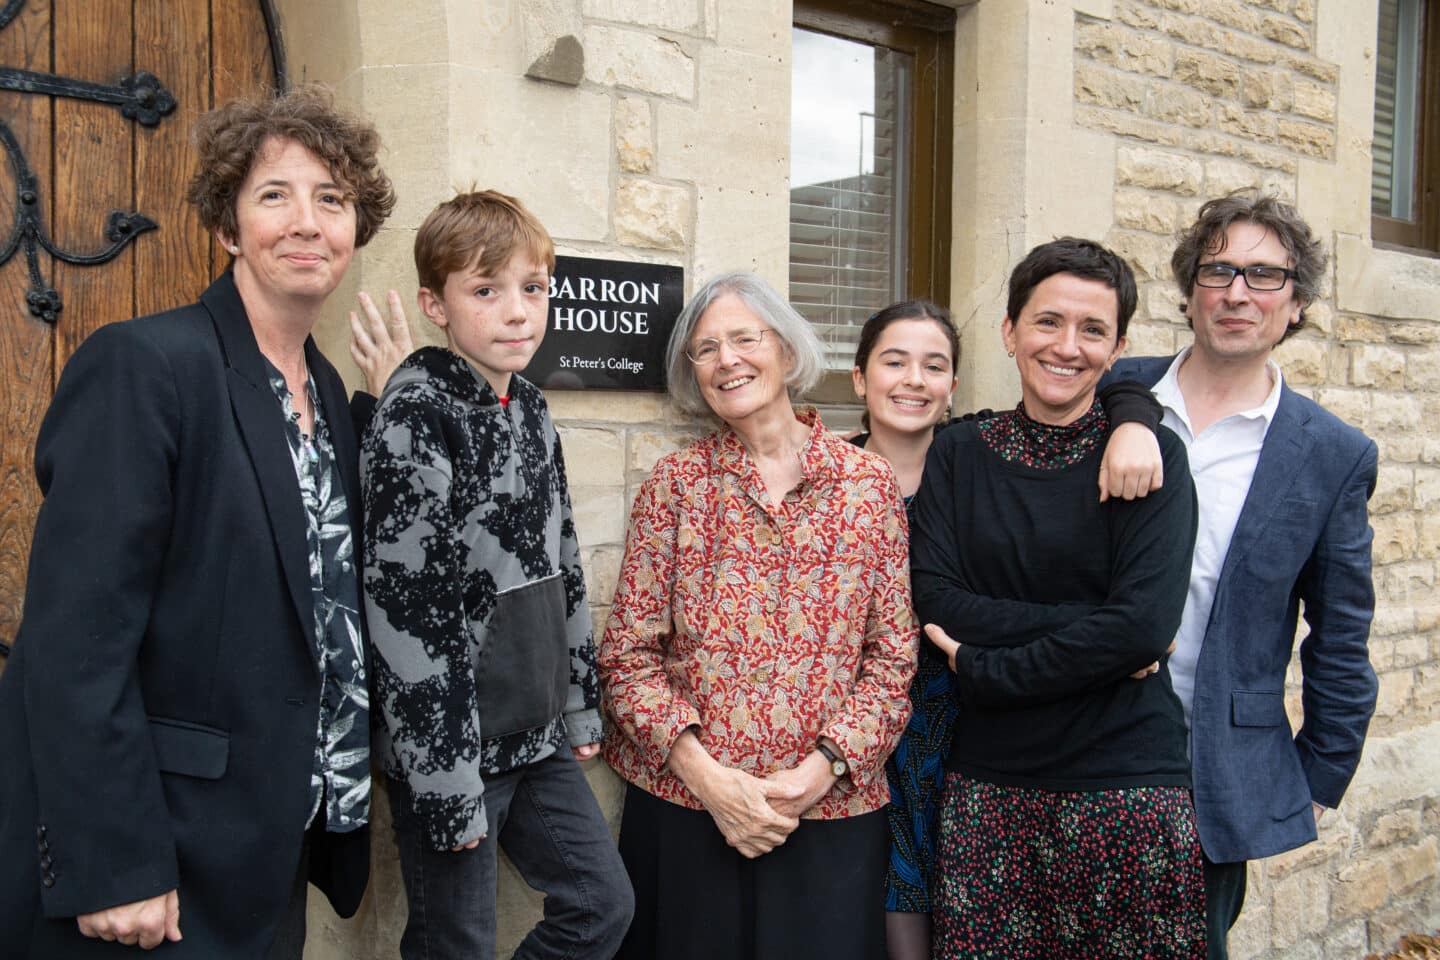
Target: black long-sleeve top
x: 1056, y: 598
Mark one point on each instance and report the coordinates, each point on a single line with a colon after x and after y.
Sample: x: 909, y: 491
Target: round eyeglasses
x: 707, y: 351
x: 1258, y: 276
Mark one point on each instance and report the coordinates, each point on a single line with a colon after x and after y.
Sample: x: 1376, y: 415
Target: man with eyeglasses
x: 1282, y: 487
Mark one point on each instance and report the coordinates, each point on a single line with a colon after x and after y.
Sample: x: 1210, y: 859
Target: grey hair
x: 796, y: 336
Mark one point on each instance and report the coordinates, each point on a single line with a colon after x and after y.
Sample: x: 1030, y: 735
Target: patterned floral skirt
x: 1025, y: 873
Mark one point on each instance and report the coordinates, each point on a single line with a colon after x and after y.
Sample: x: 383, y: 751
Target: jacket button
x: 40, y: 831
x: 48, y: 880
x: 46, y: 863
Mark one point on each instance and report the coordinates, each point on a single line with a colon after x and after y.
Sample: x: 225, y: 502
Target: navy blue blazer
x: 1303, y: 538
x: 160, y: 708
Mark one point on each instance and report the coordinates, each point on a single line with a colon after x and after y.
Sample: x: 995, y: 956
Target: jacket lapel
x: 1287, y: 444
x: 262, y: 428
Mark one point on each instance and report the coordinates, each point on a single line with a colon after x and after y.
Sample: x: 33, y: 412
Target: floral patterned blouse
x: 762, y: 625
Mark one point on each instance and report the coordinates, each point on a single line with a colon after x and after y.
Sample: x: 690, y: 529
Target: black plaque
x: 609, y: 323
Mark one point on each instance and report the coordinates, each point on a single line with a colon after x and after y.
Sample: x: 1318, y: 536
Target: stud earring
x: 1010, y: 354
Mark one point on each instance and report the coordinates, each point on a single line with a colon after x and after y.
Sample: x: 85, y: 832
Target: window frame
x: 1423, y: 233
x: 926, y: 32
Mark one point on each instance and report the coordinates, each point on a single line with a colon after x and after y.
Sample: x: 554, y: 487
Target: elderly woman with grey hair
x: 757, y: 657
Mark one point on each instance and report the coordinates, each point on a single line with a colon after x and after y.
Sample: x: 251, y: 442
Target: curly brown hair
x: 1206, y: 237
x: 230, y: 138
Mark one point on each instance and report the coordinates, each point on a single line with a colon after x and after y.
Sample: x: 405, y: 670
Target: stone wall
x: 658, y: 131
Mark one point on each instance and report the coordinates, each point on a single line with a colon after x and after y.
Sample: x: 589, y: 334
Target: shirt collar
x: 1167, y: 391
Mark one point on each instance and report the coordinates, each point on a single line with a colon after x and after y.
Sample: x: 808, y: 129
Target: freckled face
x: 495, y: 320
x: 1064, y: 340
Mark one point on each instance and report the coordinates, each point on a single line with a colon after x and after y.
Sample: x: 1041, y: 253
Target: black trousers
x: 818, y: 895
x: 1224, y: 898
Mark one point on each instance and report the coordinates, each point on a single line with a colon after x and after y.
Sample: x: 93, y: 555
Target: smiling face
x: 296, y: 227
x: 495, y: 320
x: 1064, y: 340
x: 908, y: 377
x: 1236, y: 323
x: 737, y: 386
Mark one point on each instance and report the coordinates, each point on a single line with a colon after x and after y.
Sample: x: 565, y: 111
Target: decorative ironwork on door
x: 141, y: 98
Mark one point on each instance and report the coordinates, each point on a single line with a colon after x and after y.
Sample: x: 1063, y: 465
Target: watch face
x: 838, y: 768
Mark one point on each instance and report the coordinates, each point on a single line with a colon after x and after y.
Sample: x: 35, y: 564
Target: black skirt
x: 820, y: 894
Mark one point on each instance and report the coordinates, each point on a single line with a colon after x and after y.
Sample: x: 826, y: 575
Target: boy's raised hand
x: 377, y: 344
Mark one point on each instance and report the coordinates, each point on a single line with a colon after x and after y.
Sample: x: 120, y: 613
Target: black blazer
x: 159, y: 711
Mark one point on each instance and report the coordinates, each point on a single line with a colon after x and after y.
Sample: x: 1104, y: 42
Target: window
x: 870, y: 135
x: 1405, y: 172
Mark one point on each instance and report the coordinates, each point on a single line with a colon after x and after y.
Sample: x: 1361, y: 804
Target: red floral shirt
x: 762, y: 625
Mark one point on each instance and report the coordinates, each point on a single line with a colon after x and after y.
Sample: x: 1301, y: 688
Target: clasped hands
x: 144, y: 923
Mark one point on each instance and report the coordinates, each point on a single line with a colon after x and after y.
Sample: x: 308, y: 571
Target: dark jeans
x: 547, y: 821
x: 1224, y: 898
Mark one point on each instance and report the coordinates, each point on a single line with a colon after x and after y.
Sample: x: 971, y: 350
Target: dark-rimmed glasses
x: 707, y: 351
x: 1258, y: 276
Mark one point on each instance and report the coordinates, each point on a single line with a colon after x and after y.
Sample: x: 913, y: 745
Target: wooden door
x: 93, y: 166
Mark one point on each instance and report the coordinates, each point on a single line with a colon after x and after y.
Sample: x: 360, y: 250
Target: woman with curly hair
x: 186, y: 701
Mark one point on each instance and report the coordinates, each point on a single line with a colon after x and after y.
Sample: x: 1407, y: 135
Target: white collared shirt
x: 1222, y: 462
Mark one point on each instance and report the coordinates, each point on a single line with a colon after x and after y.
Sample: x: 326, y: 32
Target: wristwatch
x: 838, y: 766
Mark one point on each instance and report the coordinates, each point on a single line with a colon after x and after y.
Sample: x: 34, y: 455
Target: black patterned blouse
x: 341, y: 773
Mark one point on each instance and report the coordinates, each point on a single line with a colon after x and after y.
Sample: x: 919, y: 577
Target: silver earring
x: 1010, y: 354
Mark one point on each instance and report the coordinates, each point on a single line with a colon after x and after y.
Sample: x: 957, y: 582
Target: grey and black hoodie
x: 483, y: 659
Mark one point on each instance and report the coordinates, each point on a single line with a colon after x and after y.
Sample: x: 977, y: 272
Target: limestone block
x: 1304, y: 361
x: 1413, y: 865
x: 1178, y: 105
x: 552, y: 30
x: 1250, y: 937
x: 1126, y: 49
x: 1394, y: 488
x: 637, y: 60
x: 1285, y: 31
x: 1393, y: 620
x: 1223, y: 177
x: 1257, y: 125
x: 1396, y: 537
x: 1360, y: 889
x: 1416, y: 332
x: 1145, y: 211
x: 1304, y: 11
x: 1429, y: 545
x: 1312, y: 67
x: 1312, y: 858
x: 1394, y: 412
x: 1279, y: 6
x: 1108, y: 88
x: 1347, y: 942
x: 1267, y: 88
x: 1422, y: 370
x: 601, y: 512
x: 1304, y: 137
x: 1136, y: 15
x: 1232, y: 13
x: 680, y: 16
x: 1319, y: 318
x: 491, y: 113
x: 1393, y: 827
x: 1247, y: 46
x: 1315, y: 100
x: 1150, y: 340
x: 610, y: 406
x: 1427, y: 488
x: 650, y: 214
x: 1147, y: 254
x: 648, y: 446
x: 1158, y: 170
x: 1163, y: 302
x: 1377, y: 366
x: 1126, y: 125
x: 1266, y: 156
x: 755, y: 26
x: 602, y: 571
x: 592, y: 455
x: 1208, y: 73
x: 1192, y: 30
x: 634, y: 135
x: 1396, y: 687
x: 1353, y: 328
x: 736, y: 135
x: 1300, y: 908
x: 1430, y: 451
x: 741, y: 230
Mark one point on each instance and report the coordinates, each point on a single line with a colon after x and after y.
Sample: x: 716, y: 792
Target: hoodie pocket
x: 523, y: 676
